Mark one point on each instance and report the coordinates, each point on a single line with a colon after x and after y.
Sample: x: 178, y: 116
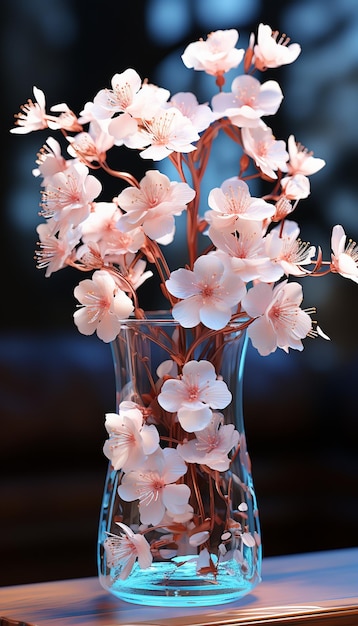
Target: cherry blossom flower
x: 124, y: 107
x: 107, y: 102
x: 244, y: 252
x: 68, y: 195
x: 232, y: 201
x: 302, y: 161
x: 90, y: 256
x: 268, y: 154
x: 123, y: 550
x: 344, y: 255
x: 284, y: 247
x: 128, y: 96
x: 153, y: 206
x: 67, y: 120
x: 122, y: 129
x: 101, y: 222
x: 130, y: 129
x: 301, y: 164
x: 103, y: 226
x: 92, y: 145
x: 130, y: 441
x: 248, y: 101
x: 279, y: 323
x: 154, y: 485
x: 296, y: 187
x: 216, y: 55
x: 193, y: 394
x: 32, y: 115
x: 50, y: 160
x: 104, y: 306
x: 283, y: 208
x: 273, y: 52
x: 211, y: 445
x: 148, y: 101
x: 208, y: 293
x: 166, y: 132
x: 54, y: 250
x: 134, y: 271
x: 200, y: 115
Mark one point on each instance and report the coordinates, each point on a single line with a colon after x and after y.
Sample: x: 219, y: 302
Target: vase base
x: 158, y: 586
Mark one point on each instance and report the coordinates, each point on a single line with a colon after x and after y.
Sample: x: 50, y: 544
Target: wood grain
x: 318, y: 588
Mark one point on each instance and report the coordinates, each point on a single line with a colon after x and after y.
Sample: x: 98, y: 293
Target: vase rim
x: 160, y: 317
x: 154, y: 317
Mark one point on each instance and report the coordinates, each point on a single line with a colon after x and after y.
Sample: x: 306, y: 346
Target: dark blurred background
x: 56, y: 385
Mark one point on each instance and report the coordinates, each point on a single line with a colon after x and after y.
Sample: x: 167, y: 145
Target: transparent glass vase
x: 209, y: 553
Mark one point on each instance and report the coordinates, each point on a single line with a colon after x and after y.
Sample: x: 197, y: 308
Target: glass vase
x: 204, y: 551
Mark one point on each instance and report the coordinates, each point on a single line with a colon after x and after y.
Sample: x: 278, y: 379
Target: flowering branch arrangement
x: 243, y: 256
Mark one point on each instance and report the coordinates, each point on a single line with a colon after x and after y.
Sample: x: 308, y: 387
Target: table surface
x: 319, y: 588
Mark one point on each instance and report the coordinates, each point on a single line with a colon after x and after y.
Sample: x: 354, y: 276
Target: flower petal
x: 194, y: 419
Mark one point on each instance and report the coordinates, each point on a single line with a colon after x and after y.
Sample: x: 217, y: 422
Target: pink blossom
x: 148, y: 101
x: 244, y: 252
x: 193, y: 394
x: 200, y: 115
x: 134, y: 271
x: 101, y: 222
x: 104, y: 306
x: 208, y: 293
x: 153, y: 206
x: 32, y: 115
x: 130, y: 440
x: 301, y: 160
x: 165, y: 132
x: 273, y: 52
x: 344, y: 255
x: 54, y: 249
x: 50, y: 160
x: 154, y: 485
x: 107, y: 102
x: 296, y: 187
x: 284, y: 247
x: 68, y: 195
x: 231, y: 202
x: 92, y: 145
x: 124, y: 108
x: 248, y: 101
x: 216, y: 55
x: 123, y: 550
x: 103, y: 226
x: 123, y: 129
x: 279, y: 323
x: 67, y: 120
x: 268, y: 154
x: 211, y: 445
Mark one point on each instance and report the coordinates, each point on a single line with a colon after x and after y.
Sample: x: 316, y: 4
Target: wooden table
x: 320, y: 588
